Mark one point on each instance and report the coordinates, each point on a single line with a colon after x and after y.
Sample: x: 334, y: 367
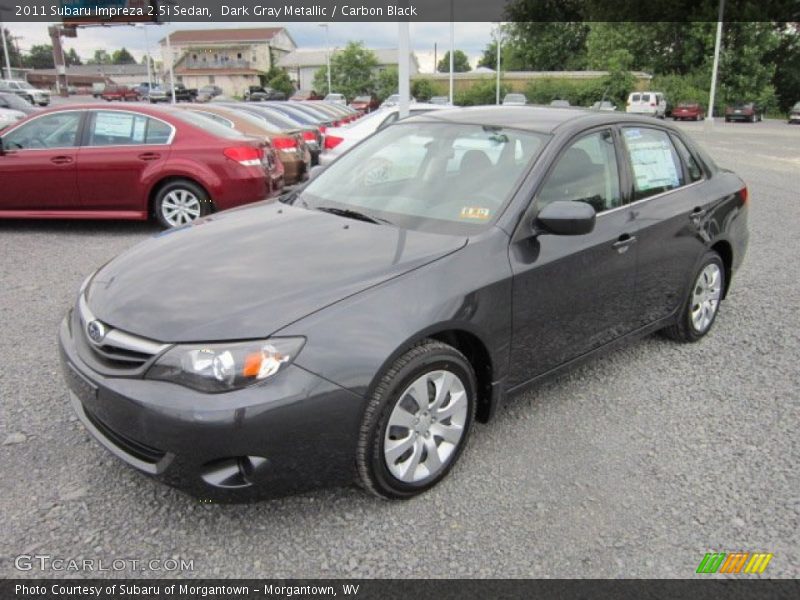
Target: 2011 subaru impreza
x: 356, y: 330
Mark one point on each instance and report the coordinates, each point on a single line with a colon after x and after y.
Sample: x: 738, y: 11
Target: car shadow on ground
x: 78, y: 226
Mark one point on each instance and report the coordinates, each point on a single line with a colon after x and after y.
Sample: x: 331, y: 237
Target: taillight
x: 337, y: 124
x: 247, y: 156
x: 745, y: 194
x: 309, y: 136
x: 322, y: 129
x: 332, y: 141
x: 284, y: 143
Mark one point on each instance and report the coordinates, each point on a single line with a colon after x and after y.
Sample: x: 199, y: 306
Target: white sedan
x: 9, y: 117
x: 340, y: 139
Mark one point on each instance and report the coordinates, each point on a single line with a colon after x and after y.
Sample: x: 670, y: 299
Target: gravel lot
x: 634, y: 465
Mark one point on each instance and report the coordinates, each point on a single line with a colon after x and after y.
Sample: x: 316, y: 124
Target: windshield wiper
x: 352, y: 214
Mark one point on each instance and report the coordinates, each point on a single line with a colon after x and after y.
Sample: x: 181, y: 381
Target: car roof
x: 540, y: 119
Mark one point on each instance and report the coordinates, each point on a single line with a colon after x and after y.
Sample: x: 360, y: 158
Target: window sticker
x: 475, y: 212
x: 653, y: 165
x: 139, y: 126
x: 113, y: 124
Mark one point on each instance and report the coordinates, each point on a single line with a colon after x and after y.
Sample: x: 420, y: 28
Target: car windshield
x: 437, y: 177
x: 742, y: 105
x: 687, y: 105
x: 25, y: 85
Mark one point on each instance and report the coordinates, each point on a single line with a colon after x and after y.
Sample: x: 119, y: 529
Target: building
x: 302, y: 65
x: 232, y: 59
x: 83, y: 77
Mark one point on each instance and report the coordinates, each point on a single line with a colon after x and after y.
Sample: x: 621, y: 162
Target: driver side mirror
x: 565, y: 217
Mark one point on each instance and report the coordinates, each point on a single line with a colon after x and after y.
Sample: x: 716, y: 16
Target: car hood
x: 249, y: 272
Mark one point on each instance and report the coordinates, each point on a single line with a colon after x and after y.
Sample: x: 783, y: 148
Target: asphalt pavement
x: 634, y: 465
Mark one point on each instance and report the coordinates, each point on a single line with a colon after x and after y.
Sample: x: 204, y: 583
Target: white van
x: 647, y: 103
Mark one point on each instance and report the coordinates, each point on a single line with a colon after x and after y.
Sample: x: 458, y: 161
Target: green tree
x: 423, y: 89
x: 536, y: 46
x: 786, y: 57
x: 101, y: 57
x: 71, y: 57
x: 386, y: 83
x: 460, y: 63
x: 352, y: 71
x: 122, y: 57
x: 278, y: 79
x: 39, y: 57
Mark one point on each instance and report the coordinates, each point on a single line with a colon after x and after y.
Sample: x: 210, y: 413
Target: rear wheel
x: 179, y: 203
x: 701, y: 307
x: 417, y: 421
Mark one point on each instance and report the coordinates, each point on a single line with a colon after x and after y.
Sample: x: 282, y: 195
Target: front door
x: 572, y: 294
x: 38, y: 164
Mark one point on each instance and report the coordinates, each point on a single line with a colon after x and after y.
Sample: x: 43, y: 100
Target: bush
x: 482, y: 92
x: 423, y: 89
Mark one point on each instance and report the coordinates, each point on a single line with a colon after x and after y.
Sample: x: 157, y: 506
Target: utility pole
x: 499, y: 50
x: 403, y: 69
x: 55, y: 32
x: 327, y: 53
x: 171, y: 69
x: 5, y: 50
x: 717, y: 43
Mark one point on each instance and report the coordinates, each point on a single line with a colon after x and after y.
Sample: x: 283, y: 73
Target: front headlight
x: 225, y: 367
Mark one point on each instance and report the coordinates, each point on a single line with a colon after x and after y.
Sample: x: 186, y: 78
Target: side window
x: 57, y: 130
x: 111, y: 128
x: 585, y: 172
x: 654, y: 162
x: 692, y: 167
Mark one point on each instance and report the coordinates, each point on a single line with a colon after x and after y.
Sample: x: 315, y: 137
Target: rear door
x: 122, y: 150
x: 668, y: 214
x: 572, y: 294
x: 38, y: 166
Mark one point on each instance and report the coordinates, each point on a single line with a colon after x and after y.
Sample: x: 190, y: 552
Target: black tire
x: 425, y: 357
x: 179, y: 185
x: 684, y: 330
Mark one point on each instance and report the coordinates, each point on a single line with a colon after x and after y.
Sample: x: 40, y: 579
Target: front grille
x: 136, y: 449
x: 116, y: 350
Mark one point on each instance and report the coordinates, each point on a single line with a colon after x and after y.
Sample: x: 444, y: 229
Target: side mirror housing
x: 565, y: 217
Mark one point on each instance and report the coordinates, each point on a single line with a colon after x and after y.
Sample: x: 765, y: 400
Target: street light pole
x: 5, y: 50
x: 403, y: 70
x: 499, y: 50
x: 717, y: 43
x: 171, y: 69
x: 327, y: 53
x: 147, y: 55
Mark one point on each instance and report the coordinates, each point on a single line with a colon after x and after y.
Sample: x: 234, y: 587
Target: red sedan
x: 95, y: 162
x: 689, y: 110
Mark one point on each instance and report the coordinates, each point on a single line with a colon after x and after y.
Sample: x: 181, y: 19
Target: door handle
x: 61, y: 160
x: 149, y: 156
x: 624, y: 242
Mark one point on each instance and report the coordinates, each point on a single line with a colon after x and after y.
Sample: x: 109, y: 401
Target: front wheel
x: 179, y: 203
x: 417, y: 421
x: 701, y: 307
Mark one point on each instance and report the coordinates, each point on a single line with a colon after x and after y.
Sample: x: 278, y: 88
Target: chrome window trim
x: 653, y: 197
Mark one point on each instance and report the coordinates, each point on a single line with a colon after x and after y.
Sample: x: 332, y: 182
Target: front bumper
x: 294, y: 433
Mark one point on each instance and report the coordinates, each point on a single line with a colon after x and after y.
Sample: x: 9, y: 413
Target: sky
x: 472, y: 38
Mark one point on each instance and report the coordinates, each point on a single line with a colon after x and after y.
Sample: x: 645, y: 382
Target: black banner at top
x: 281, y: 11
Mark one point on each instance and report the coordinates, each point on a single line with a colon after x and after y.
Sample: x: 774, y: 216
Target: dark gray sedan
x: 358, y: 329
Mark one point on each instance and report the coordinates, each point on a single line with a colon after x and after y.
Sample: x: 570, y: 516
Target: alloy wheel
x: 705, y: 297
x: 426, y: 426
x: 180, y: 207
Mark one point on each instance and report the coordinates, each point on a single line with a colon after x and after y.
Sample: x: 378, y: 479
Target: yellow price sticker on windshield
x: 472, y: 212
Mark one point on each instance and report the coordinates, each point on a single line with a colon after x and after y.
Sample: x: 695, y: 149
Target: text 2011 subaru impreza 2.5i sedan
x: 356, y: 330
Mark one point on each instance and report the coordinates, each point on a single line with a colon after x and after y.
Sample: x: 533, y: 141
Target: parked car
x: 341, y: 113
x: 439, y: 100
x: 647, y: 103
x: 10, y: 116
x: 291, y: 147
x: 14, y: 102
x: 688, y: 110
x: 164, y: 94
x: 303, y: 95
x: 253, y: 127
x: 208, y: 93
x: 794, y: 114
x: 119, y: 92
x: 604, y: 106
x: 26, y: 91
x: 339, y: 140
x: 394, y: 100
x: 560, y: 103
x: 365, y: 103
x: 515, y: 100
x: 256, y: 93
x: 743, y: 111
x: 143, y: 89
x: 357, y: 329
x: 336, y: 98
x: 85, y: 161
x: 97, y: 89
